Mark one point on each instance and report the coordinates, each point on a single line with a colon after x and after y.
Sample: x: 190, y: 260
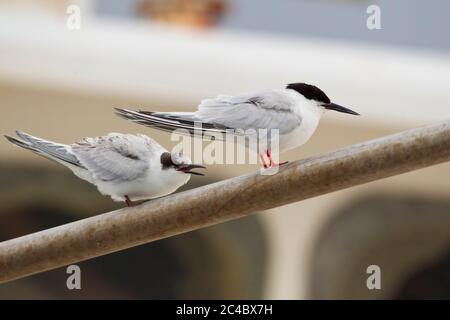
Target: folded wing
x: 260, y: 110
x: 112, y: 158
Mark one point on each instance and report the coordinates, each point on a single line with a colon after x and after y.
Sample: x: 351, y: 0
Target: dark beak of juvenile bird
x: 336, y: 107
x: 188, y: 168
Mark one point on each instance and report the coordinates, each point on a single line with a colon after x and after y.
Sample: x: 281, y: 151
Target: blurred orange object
x: 193, y: 13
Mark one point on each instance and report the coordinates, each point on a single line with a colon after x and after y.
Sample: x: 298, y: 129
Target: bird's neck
x: 312, y: 110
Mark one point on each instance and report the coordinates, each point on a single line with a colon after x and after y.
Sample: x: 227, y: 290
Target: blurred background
x: 61, y: 82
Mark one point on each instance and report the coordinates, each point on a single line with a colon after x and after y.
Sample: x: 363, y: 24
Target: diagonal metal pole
x: 223, y: 201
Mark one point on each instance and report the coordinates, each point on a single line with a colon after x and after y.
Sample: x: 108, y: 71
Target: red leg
x: 272, y: 163
x: 263, y: 161
x: 129, y: 202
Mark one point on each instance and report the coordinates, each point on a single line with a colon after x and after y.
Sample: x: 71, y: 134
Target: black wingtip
x: 9, y: 138
x: 120, y: 111
x: 18, y: 142
x: 124, y: 113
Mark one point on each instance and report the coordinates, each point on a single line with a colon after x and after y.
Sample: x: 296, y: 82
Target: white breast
x: 153, y: 185
x: 310, y: 119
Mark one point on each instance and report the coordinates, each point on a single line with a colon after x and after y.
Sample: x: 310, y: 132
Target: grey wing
x: 111, y: 158
x: 265, y: 109
x: 49, y: 149
x: 260, y: 110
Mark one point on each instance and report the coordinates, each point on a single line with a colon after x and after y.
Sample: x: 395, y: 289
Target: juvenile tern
x: 125, y: 167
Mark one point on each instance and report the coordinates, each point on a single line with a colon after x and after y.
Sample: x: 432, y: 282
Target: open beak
x: 336, y: 107
x: 188, y: 168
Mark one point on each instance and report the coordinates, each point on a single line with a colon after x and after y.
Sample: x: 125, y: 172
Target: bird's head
x: 179, y: 163
x: 318, y: 97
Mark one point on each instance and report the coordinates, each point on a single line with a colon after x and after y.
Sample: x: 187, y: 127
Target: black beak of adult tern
x: 336, y: 107
x: 188, y: 168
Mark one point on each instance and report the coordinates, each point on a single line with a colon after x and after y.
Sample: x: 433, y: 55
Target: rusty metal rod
x: 223, y: 201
